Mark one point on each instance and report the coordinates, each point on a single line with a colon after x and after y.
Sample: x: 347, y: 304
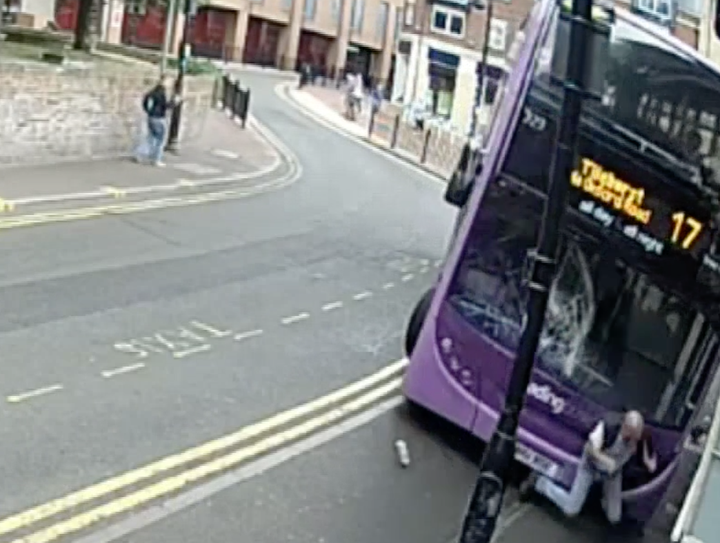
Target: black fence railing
x: 234, y: 99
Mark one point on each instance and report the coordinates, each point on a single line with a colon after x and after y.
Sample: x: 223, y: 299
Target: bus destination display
x: 642, y: 217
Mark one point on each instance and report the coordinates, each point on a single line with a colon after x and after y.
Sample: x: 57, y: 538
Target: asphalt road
x: 118, y: 334
x: 130, y: 338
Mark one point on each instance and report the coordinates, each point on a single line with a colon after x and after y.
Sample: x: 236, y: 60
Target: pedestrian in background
x: 156, y: 106
x: 376, y: 98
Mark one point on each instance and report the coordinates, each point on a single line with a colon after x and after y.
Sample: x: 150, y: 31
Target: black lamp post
x: 486, y: 501
x: 174, y: 133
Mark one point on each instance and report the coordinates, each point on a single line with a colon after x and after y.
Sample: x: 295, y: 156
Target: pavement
x: 327, y: 105
x: 220, y: 154
x: 228, y: 369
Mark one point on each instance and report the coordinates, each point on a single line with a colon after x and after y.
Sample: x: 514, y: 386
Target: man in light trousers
x: 608, y: 449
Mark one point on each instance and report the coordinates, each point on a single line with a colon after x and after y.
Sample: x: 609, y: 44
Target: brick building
x: 440, y: 49
x: 329, y: 34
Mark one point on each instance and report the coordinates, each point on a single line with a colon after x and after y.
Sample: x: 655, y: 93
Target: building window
x: 445, y: 21
x: 498, y: 35
x: 691, y: 7
x: 442, y: 75
x: 335, y: 9
x: 398, y: 28
x: 382, y: 20
x: 658, y: 8
x: 358, y: 13
x: 136, y: 7
x: 310, y: 9
x: 409, y: 13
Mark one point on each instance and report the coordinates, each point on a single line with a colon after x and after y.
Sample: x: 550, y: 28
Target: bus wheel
x: 416, y: 321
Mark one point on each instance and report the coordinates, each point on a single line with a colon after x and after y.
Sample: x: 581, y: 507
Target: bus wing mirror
x: 462, y: 179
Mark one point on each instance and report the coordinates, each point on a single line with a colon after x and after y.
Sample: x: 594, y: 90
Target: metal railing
x: 234, y: 99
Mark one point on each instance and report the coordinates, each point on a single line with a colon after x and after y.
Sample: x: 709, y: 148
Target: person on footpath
x: 609, y: 449
x: 156, y: 106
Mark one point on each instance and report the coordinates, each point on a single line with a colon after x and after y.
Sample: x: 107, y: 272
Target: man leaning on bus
x: 609, y: 448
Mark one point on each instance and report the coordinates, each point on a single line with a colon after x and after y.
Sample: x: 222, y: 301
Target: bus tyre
x: 416, y: 321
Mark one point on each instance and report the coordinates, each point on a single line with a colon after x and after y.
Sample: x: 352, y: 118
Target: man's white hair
x: 634, y: 420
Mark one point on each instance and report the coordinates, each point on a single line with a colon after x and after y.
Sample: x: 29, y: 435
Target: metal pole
x: 167, y: 37
x: 480, y: 89
x: 182, y: 68
x: 479, y: 523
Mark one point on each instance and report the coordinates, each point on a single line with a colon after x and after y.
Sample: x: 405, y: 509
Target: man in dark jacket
x: 156, y: 105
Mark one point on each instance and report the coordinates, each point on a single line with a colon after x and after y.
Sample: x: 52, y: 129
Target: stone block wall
x: 48, y: 117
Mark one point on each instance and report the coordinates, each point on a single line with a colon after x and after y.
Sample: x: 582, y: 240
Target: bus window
x: 656, y: 98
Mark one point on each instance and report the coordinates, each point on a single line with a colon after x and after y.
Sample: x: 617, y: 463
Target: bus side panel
x: 428, y: 384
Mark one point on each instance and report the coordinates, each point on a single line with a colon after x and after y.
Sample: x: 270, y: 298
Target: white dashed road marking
x: 295, y: 318
x: 124, y: 369
x: 220, y: 333
x: 247, y: 335
x: 17, y: 398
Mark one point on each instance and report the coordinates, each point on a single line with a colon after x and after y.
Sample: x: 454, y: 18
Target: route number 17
x: 686, y: 230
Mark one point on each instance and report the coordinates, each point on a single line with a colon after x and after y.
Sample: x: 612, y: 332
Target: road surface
x: 130, y: 337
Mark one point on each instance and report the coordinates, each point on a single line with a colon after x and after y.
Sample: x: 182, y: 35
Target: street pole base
x: 487, y: 498
x: 484, y: 509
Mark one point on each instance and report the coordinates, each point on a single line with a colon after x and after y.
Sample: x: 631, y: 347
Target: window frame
x: 310, y: 10
x: 136, y: 7
x: 409, y: 14
x: 357, y: 16
x: 652, y: 7
x: 449, y: 14
x: 496, y: 35
x: 383, y: 18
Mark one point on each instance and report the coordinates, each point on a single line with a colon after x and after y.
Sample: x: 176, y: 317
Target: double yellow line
x: 92, y: 212
x: 206, y: 460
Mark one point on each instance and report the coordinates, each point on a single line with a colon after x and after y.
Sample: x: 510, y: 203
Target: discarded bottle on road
x: 403, y: 453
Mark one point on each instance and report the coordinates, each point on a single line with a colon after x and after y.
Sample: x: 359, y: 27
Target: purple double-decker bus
x: 633, y: 316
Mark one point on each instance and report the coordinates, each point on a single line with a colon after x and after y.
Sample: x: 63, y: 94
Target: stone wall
x: 48, y: 117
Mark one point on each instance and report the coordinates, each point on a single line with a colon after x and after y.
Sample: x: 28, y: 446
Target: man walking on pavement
x: 156, y: 106
x: 609, y: 448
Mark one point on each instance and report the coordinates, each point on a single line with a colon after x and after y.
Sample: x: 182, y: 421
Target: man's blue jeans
x: 571, y: 501
x: 155, y: 143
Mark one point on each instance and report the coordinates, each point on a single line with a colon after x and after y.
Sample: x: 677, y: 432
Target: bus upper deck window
x: 597, y: 54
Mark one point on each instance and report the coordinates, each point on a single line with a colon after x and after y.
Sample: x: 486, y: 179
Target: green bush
x: 194, y: 66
